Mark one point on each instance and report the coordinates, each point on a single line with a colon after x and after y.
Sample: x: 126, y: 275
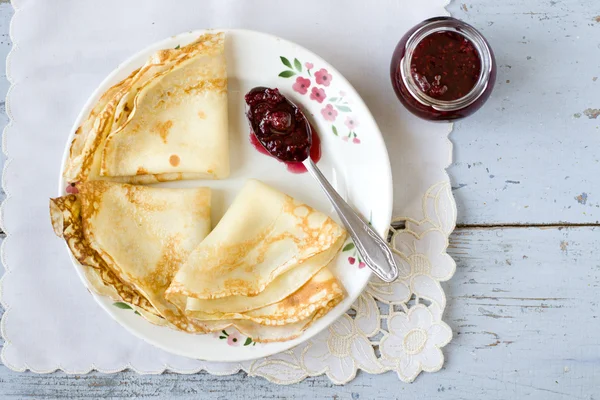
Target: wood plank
x: 531, y: 154
x: 523, y: 306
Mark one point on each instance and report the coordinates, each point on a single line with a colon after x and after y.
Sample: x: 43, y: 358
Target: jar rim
x: 445, y: 24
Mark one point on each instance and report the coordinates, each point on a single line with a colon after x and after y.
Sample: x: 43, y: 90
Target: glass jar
x: 417, y: 93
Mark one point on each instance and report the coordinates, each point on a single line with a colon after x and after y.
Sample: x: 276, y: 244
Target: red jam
x: 294, y: 167
x: 280, y: 129
x: 443, y: 69
x: 445, y: 65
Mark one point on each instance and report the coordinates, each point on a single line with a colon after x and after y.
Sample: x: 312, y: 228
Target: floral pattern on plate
x: 234, y: 338
x: 318, y: 91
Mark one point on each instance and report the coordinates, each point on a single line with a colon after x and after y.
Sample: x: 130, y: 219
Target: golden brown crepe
x: 265, y: 262
x: 264, y: 234
x: 166, y: 121
x: 136, y: 243
x: 277, y: 290
x: 297, y: 306
x: 279, y: 333
x: 135, y: 239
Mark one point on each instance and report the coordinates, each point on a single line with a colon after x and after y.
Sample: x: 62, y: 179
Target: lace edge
x: 7, y: 196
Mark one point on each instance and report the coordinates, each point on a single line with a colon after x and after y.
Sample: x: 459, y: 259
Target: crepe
x: 65, y: 213
x: 278, y: 290
x: 264, y: 234
x: 302, y: 308
x: 263, y: 270
x: 265, y: 334
x: 135, y: 238
x: 166, y: 121
x: 296, y: 306
x: 265, y: 262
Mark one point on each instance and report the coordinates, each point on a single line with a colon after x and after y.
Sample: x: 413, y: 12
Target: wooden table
x: 524, y: 301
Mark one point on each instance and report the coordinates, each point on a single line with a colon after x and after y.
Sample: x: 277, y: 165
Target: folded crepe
x: 165, y: 121
x: 266, y: 262
x: 131, y: 240
x: 263, y: 269
x: 297, y: 305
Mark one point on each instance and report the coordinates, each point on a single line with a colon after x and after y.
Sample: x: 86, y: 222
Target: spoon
x: 274, y: 116
x: 373, y: 249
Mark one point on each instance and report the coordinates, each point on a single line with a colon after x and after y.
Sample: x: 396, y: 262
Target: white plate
x: 355, y: 160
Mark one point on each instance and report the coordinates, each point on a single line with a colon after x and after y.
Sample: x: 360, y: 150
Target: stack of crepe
x: 263, y: 269
x: 166, y: 121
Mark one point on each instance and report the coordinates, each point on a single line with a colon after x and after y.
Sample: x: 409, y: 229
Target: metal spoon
x: 372, y: 248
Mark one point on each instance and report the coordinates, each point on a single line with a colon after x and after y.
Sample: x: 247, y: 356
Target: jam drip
x: 294, y: 167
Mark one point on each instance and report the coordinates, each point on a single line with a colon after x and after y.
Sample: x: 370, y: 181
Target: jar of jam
x: 443, y: 69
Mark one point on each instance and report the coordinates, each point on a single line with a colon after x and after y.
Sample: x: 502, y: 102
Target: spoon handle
x: 372, y: 248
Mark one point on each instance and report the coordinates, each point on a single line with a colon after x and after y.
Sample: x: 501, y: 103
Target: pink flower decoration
x: 309, y: 65
x: 356, y: 140
x: 345, y: 138
x: 351, y: 260
x: 323, y: 77
x: 234, y: 339
x: 361, y: 265
x: 301, y: 86
x: 351, y: 123
x: 317, y: 94
x: 329, y: 113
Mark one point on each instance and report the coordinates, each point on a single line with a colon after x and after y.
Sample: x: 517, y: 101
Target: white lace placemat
x: 63, y: 49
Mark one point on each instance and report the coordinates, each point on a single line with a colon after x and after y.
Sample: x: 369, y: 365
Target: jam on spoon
x: 280, y: 129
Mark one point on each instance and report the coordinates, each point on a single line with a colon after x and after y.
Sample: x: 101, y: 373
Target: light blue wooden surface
x: 529, y: 154
x: 524, y: 301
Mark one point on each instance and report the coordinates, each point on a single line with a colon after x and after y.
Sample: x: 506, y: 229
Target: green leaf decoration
x: 343, y: 108
x: 349, y: 246
x: 225, y: 333
x: 286, y: 62
x: 137, y: 313
x: 178, y: 47
x: 333, y: 99
x: 248, y: 341
x: 122, y: 306
x: 297, y: 65
x: 287, y: 74
x: 334, y: 129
